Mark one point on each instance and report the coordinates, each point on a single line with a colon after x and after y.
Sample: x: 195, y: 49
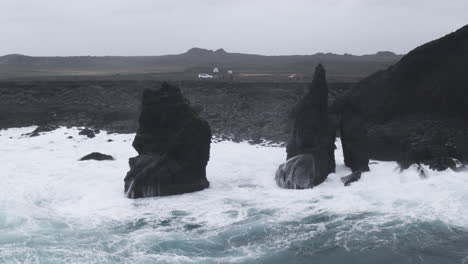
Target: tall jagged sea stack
x: 173, y: 144
x: 310, y: 150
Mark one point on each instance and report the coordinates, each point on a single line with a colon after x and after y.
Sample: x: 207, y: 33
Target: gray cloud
x: 151, y: 27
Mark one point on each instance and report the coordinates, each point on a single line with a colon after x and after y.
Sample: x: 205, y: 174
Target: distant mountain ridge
x: 196, y: 60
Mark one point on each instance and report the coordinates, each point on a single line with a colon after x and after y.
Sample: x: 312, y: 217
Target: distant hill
x: 340, y: 67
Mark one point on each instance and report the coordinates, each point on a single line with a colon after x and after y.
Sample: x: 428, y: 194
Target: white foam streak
x: 44, y: 186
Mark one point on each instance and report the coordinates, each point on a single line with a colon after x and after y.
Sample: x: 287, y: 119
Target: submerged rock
x: 41, y: 129
x: 173, y: 144
x: 97, y: 156
x: 312, y: 139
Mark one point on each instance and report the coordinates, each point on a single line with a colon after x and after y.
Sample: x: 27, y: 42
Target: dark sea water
x: 54, y: 209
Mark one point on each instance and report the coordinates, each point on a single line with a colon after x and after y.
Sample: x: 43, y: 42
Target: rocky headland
x: 416, y: 111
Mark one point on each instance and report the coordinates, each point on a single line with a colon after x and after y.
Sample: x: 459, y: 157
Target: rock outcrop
x: 41, y: 129
x: 310, y: 150
x: 173, y: 144
x: 354, y: 140
x: 87, y: 132
x: 416, y: 111
x: 97, y: 156
x: 301, y: 172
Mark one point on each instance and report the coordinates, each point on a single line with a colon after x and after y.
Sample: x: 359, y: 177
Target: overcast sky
x: 270, y: 27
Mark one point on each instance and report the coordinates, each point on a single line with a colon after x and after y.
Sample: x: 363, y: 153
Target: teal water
x: 54, y: 209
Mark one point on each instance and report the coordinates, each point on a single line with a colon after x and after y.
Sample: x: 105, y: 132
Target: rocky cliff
x: 417, y: 108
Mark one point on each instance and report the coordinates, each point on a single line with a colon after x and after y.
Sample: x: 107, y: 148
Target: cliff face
x: 432, y: 78
x: 417, y: 108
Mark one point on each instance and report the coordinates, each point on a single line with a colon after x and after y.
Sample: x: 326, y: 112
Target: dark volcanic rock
x: 97, y: 156
x: 310, y: 118
x: 417, y: 110
x: 41, y: 129
x: 237, y: 110
x: 353, y: 177
x: 461, y: 145
x: 312, y: 140
x: 354, y: 140
x: 87, y: 132
x: 431, y: 148
x: 173, y: 144
x: 301, y: 172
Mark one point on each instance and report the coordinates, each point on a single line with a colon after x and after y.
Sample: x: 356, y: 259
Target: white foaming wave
x: 44, y: 170
x: 43, y: 180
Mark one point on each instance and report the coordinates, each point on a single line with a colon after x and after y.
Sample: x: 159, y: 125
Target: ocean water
x: 56, y: 209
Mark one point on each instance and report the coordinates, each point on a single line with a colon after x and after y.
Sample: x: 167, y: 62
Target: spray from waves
x: 54, y: 209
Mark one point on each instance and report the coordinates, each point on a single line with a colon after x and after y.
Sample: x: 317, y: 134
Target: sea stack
x: 354, y: 139
x: 310, y: 150
x: 173, y: 144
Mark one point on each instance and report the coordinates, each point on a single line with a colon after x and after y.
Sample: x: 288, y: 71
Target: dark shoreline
x: 236, y: 111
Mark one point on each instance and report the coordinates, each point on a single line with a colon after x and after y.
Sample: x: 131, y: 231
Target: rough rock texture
x: 354, y: 140
x: 301, y: 172
x: 417, y: 110
x: 312, y: 139
x: 173, y: 144
x: 41, y: 129
x: 238, y: 111
x: 353, y: 177
x: 97, y: 156
x: 87, y: 132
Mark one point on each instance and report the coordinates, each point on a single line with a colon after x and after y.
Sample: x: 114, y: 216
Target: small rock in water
x: 97, y: 156
x: 87, y: 132
x: 353, y: 177
x: 110, y: 140
x: 69, y: 137
x: 41, y: 129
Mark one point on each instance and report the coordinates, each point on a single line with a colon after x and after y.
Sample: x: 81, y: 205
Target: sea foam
x: 56, y: 209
